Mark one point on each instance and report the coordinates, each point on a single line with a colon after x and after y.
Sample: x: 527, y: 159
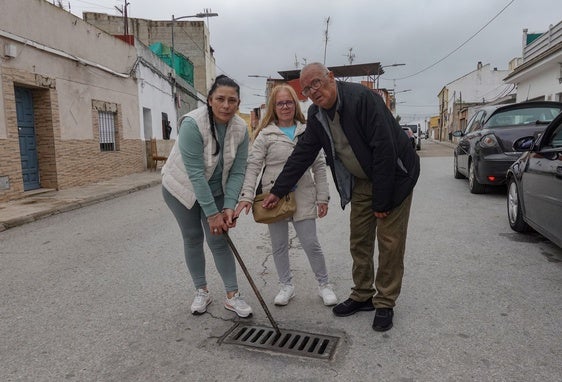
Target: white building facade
x: 539, y: 76
x: 484, y: 85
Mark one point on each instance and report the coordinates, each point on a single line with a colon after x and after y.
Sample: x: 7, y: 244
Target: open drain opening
x: 293, y: 342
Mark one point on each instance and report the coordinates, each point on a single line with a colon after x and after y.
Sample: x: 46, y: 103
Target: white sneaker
x: 286, y: 293
x: 327, y: 293
x: 201, y: 301
x: 238, y: 305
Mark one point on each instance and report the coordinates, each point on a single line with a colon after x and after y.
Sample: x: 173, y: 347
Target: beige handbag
x: 284, y: 209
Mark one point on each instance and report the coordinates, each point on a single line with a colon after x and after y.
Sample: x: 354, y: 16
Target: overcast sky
x: 262, y: 37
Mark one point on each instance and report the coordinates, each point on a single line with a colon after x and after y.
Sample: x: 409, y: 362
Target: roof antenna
x: 326, y: 38
x: 350, y: 56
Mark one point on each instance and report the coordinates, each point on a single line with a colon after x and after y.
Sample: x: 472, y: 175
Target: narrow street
x: 102, y: 293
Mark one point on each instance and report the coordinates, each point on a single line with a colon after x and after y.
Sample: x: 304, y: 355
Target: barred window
x: 107, y: 130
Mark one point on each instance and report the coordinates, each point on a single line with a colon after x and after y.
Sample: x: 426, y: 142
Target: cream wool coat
x: 174, y: 174
x: 272, y: 148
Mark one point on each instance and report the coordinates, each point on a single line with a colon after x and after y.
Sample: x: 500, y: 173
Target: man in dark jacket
x: 374, y: 167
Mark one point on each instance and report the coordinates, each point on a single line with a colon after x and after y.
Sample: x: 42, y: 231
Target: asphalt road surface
x: 102, y: 294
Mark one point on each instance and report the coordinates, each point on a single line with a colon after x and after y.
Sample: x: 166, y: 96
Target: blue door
x: 28, y: 146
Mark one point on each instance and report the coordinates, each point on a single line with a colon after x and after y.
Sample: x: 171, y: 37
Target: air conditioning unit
x: 10, y: 50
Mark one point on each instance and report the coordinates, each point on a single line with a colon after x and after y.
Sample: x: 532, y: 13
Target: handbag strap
x: 259, y: 188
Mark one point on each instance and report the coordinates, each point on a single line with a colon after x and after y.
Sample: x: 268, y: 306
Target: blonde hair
x: 271, y: 116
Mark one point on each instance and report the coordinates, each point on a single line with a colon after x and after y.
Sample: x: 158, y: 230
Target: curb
x: 73, y: 205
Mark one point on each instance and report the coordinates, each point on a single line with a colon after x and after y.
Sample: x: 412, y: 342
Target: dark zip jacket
x: 378, y: 141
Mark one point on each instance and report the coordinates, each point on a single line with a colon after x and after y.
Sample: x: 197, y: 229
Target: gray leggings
x: 306, y: 232
x: 194, y: 228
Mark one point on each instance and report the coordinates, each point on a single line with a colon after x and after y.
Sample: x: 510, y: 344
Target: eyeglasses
x: 314, y: 85
x: 287, y: 104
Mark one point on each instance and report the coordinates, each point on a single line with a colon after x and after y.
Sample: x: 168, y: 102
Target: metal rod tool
x: 256, y: 291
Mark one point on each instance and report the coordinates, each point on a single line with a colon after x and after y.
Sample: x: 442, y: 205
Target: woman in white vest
x: 274, y: 141
x: 201, y: 181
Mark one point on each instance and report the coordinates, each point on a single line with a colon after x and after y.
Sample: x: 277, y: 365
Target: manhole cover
x: 292, y: 342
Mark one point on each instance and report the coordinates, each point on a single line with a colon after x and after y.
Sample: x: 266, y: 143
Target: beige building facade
x: 69, y: 111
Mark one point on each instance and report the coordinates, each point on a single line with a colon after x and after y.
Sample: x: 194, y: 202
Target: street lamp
x: 384, y: 66
x: 393, y: 98
x: 267, y: 84
x: 403, y: 91
x: 197, y: 15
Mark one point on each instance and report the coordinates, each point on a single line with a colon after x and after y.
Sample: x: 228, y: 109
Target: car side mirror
x: 524, y: 144
x: 457, y: 133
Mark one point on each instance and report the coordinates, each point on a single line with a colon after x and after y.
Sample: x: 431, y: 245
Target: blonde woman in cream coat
x: 274, y: 141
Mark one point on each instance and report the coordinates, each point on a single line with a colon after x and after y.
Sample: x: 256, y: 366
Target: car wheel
x: 514, y: 213
x: 456, y: 172
x: 473, y: 185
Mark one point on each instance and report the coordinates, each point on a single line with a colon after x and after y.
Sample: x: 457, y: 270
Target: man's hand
x: 270, y: 201
x: 381, y: 215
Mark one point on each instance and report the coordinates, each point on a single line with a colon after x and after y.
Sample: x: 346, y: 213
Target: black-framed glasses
x: 314, y: 85
x: 288, y: 104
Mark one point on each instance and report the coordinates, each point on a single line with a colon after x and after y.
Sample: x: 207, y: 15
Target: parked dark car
x: 534, y: 197
x: 410, y: 135
x: 485, y: 149
x: 417, y: 135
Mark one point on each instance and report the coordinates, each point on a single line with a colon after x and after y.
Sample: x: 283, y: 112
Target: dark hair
x: 221, y: 80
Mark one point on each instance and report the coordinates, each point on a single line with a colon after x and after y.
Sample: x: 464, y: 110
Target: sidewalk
x: 42, y: 204
x: 444, y: 143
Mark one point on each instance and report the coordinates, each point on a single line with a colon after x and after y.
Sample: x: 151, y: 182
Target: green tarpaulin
x: 182, y: 65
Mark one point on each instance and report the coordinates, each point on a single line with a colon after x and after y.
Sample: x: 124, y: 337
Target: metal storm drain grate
x: 292, y: 342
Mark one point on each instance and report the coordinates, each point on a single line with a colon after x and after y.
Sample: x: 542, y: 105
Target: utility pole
x: 126, y: 28
x: 326, y: 38
x: 123, y: 11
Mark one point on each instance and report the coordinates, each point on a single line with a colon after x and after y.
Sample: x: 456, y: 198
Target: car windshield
x: 413, y: 127
x: 523, y: 116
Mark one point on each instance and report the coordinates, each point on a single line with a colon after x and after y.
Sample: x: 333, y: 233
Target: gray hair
x: 316, y: 65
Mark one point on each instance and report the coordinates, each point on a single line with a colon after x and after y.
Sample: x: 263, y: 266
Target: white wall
x: 539, y: 76
x: 543, y: 83
x: 155, y: 92
x: 481, y: 85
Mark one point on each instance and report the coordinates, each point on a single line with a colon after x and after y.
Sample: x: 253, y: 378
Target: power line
x: 87, y: 4
x: 460, y: 46
x: 410, y: 105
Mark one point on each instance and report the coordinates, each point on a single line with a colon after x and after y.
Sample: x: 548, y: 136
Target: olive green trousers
x: 390, y: 233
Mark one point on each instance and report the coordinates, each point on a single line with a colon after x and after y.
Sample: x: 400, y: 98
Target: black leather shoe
x: 383, y: 319
x: 349, y: 307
